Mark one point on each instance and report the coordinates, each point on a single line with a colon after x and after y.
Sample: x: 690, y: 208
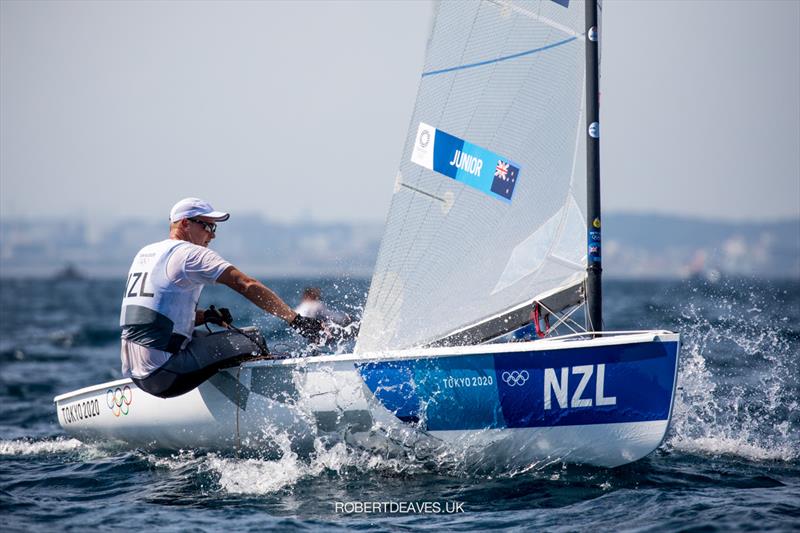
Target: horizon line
x: 323, y: 222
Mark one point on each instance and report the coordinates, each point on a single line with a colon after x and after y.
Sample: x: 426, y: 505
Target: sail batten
x: 488, y: 210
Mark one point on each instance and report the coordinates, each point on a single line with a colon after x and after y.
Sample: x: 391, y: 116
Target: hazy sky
x: 300, y: 109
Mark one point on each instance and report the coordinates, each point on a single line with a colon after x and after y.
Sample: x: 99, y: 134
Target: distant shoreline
x: 635, y: 246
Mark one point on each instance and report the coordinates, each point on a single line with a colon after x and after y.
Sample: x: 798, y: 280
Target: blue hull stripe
x: 576, y: 386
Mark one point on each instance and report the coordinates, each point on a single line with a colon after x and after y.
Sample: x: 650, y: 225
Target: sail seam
x: 499, y: 59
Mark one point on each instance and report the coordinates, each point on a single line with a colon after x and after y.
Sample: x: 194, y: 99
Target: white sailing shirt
x: 158, y: 310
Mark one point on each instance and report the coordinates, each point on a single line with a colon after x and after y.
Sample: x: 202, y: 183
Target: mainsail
x: 488, y: 212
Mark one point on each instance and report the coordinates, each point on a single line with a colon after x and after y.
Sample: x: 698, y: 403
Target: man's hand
x: 310, y: 328
x: 220, y: 317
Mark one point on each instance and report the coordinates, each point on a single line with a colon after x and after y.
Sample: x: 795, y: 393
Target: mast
x: 594, y: 293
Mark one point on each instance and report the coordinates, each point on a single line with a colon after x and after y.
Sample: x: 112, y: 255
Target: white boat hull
x: 465, y: 403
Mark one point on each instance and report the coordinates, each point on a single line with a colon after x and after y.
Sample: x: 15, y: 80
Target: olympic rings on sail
x: 119, y: 400
x: 515, y: 378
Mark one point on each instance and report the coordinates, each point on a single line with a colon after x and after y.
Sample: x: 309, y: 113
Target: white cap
x: 195, y: 207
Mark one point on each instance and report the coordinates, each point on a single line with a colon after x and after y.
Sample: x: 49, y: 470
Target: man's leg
x: 202, y: 358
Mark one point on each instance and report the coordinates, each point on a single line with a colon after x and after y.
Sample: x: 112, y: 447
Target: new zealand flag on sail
x: 505, y: 177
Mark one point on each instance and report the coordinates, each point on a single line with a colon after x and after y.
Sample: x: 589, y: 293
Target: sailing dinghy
x: 493, y: 235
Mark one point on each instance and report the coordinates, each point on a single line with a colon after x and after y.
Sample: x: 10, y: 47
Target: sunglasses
x: 208, y: 226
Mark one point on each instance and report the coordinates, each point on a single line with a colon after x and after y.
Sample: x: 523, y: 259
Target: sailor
x: 339, y: 327
x: 312, y: 306
x: 159, y: 308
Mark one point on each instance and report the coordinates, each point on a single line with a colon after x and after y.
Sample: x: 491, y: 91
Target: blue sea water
x: 731, y: 460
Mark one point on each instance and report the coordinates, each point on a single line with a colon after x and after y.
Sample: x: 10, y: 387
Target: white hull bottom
x: 463, y: 404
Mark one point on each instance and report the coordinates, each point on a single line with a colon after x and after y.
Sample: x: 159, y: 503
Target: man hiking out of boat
x: 159, y: 308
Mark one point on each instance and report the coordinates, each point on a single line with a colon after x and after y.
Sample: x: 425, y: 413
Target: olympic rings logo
x: 515, y: 378
x: 119, y: 400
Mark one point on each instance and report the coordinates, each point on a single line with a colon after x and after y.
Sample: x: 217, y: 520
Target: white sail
x: 503, y: 89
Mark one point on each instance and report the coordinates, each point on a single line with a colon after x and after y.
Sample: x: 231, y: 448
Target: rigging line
x: 563, y: 319
x: 499, y: 59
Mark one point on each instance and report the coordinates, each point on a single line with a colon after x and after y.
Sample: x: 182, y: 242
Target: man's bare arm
x: 256, y: 292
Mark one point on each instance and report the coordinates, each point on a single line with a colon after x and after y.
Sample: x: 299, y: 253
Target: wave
x: 740, y: 447
x: 260, y: 476
x: 737, y: 382
x: 40, y: 447
x: 64, y: 447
